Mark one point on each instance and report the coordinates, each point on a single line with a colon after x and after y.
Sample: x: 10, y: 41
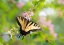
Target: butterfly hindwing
x: 32, y: 27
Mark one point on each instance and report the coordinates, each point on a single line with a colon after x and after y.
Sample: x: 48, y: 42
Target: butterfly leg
x: 22, y: 37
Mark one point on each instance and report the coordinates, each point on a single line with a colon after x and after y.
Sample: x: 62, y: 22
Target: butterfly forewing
x: 22, y: 22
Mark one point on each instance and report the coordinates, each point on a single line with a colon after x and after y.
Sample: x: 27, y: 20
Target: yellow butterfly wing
x: 22, y: 22
x: 27, y: 25
x: 32, y: 27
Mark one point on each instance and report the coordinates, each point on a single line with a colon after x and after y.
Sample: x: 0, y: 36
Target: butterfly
x: 26, y: 26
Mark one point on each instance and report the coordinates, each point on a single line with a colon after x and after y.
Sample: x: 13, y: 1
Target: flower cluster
x: 60, y: 1
x: 19, y: 4
x: 48, y: 23
x: 8, y: 34
x: 28, y: 14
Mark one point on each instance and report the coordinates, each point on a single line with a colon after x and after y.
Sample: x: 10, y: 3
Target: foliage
x: 52, y: 32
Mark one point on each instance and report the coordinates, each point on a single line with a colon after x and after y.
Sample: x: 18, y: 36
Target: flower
x: 51, y: 28
x: 24, y: 14
x: 31, y: 13
x: 60, y: 1
x: 41, y: 20
x: 55, y: 35
x: 48, y: 23
x: 19, y: 5
x: 27, y: 15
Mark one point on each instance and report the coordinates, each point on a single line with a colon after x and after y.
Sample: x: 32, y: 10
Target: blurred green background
x: 46, y: 9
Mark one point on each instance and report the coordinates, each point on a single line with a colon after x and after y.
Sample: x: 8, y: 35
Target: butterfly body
x: 26, y: 26
x: 23, y: 33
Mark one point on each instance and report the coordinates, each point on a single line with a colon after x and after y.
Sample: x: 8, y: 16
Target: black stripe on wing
x: 18, y: 21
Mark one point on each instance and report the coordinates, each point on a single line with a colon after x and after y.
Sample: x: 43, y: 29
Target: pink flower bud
x: 24, y: 14
x: 31, y: 13
x: 51, y: 28
x: 28, y: 18
x: 55, y: 35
